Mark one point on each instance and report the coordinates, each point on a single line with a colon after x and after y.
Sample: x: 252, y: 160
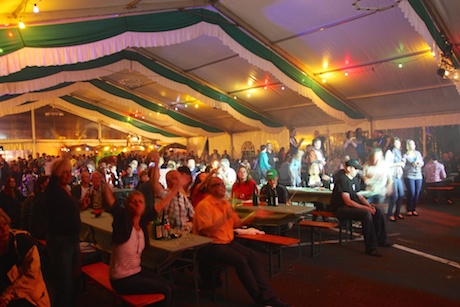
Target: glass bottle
x: 255, y: 197
x: 331, y: 184
x: 166, y: 226
x: 157, y: 229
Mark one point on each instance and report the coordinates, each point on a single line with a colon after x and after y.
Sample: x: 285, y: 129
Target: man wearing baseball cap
x: 273, y: 193
x: 348, y: 204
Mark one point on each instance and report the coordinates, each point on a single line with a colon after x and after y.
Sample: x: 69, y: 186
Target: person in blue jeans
x: 396, y: 162
x: 413, y: 176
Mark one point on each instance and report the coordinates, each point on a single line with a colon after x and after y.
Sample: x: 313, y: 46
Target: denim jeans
x: 396, y: 198
x: 414, y: 187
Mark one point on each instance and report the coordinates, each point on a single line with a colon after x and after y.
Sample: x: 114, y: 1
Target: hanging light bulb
x: 400, y: 65
x: 346, y: 74
x: 36, y: 9
x: 21, y: 25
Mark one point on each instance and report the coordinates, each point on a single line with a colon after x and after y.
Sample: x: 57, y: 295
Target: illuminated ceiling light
x: 265, y: 87
x: 283, y: 88
x: 234, y: 97
x: 21, y: 25
x: 400, y: 65
x: 324, y: 80
x: 196, y: 106
x: 346, y: 73
x: 54, y: 112
x: 131, y: 82
x: 249, y: 95
x: 176, y: 109
x: 186, y: 105
x: 36, y: 9
x: 357, y: 5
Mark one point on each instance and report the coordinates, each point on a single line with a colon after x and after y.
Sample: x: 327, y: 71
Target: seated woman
x: 128, y: 241
x: 244, y: 186
x: 21, y: 279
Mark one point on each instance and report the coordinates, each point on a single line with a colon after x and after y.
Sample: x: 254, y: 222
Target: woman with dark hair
x: 10, y: 201
x: 244, y: 186
x: 396, y: 163
x: 129, y: 238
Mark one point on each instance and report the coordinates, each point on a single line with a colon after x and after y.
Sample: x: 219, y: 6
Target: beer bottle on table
x: 255, y: 197
x: 166, y: 226
x: 275, y: 197
x: 157, y: 229
x: 331, y: 183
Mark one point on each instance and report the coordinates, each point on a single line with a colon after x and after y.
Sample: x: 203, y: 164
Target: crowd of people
x: 44, y: 196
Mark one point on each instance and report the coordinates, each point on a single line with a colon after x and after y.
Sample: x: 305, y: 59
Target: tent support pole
x: 34, y: 137
x: 232, y: 149
x: 99, y: 132
x: 424, y: 141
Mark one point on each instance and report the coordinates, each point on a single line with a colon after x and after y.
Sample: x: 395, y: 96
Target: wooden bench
x: 441, y: 191
x: 99, y: 272
x: 273, y: 241
x: 315, y: 225
x: 343, y: 225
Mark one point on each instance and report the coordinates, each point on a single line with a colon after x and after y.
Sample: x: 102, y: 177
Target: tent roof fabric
x: 207, y: 68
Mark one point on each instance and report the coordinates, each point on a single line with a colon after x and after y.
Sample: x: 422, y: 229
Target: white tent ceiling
x: 322, y: 39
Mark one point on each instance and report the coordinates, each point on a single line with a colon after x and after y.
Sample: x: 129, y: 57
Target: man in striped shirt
x: 179, y: 210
